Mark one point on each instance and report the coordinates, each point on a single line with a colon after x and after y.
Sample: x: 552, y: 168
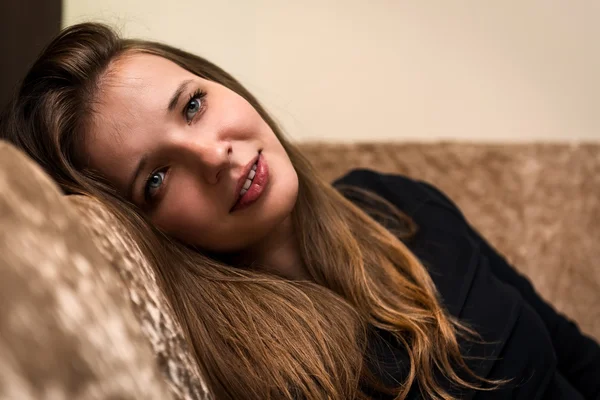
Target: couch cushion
x: 67, y: 330
x: 150, y: 306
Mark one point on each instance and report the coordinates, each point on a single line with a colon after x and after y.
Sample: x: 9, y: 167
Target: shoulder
x: 442, y: 242
x: 415, y: 197
x: 398, y: 189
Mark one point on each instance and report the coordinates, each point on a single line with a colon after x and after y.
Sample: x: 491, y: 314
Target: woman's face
x: 183, y: 149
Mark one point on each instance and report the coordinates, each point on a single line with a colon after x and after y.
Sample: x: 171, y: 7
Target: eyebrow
x: 134, y: 177
x: 175, y: 98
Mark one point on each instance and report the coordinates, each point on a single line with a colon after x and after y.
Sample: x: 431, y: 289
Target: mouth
x: 251, y: 183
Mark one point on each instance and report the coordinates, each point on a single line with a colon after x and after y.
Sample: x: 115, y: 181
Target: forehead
x: 137, y: 87
x: 138, y: 67
x: 140, y: 78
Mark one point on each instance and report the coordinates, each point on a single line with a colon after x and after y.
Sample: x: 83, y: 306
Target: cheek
x: 185, y: 213
x: 241, y: 117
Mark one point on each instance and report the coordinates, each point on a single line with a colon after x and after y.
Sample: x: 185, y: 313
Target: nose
x: 211, y: 158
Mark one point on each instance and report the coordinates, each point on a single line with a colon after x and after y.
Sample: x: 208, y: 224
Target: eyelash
x: 150, y: 198
x: 197, y: 95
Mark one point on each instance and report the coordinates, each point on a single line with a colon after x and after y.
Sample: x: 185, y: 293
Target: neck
x: 279, y: 253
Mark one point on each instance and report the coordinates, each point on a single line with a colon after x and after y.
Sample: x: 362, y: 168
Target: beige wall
x: 348, y: 70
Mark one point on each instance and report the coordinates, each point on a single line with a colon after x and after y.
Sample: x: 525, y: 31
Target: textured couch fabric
x: 66, y: 328
x: 149, y: 304
x: 83, y: 317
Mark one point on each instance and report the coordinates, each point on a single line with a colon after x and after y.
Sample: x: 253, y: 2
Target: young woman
x: 285, y: 285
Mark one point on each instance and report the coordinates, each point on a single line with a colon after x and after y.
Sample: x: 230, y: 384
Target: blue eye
x: 153, y: 184
x: 194, y: 106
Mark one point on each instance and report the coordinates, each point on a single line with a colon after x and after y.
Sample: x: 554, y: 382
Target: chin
x: 282, y: 196
x: 277, y: 207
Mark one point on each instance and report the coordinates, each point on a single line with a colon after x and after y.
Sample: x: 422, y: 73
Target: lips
x: 243, y: 177
x: 257, y: 186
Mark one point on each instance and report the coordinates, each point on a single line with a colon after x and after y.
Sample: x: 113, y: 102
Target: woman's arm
x: 578, y: 355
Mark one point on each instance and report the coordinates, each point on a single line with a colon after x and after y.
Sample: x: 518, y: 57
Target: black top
x: 544, y: 353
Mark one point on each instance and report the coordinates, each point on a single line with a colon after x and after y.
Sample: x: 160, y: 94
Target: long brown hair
x: 253, y: 334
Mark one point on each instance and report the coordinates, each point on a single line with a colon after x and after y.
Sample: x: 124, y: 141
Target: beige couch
x: 81, y: 314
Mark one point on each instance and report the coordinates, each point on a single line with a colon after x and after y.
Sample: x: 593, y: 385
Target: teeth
x: 248, y: 180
